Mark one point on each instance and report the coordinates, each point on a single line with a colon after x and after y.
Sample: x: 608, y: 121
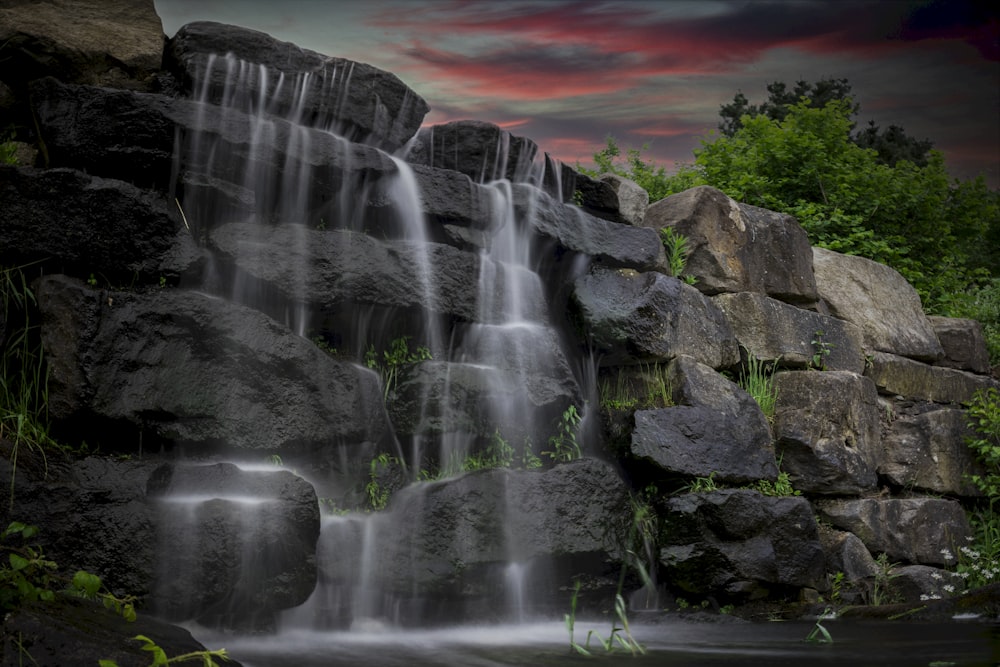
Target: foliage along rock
x: 927, y: 452
x: 740, y: 543
x: 826, y: 427
x: 877, y: 299
x: 771, y: 330
x: 236, y: 546
x: 188, y: 368
x: 95, y: 226
x: 963, y: 343
x: 899, y: 376
x: 357, y: 101
x: 926, y: 531
x: 632, y: 317
x: 736, y: 247
x: 455, y: 537
x: 482, y: 151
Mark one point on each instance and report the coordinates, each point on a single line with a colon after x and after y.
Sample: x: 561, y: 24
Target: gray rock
x: 632, y: 198
x: 480, y: 150
x: 631, y: 317
x: 717, y: 429
x: 736, y: 247
x: 189, y: 368
x: 878, y: 300
x: 846, y: 553
x: 826, y: 425
x: 234, y: 546
x: 927, y: 452
x: 94, y: 226
x: 355, y: 100
x: 740, y: 542
x: 771, y: 330
x: 925, y: 531
x: 608, y: 243
x: 963, y: 343
x: 899, y: 376
x: 334, y: 270
x: 920, y: 583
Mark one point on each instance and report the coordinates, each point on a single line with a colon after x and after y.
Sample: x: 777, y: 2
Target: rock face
x: 738, y: 542
x: 190, y: 368
x: 736, y: 247
x: 963, y: 344
x: 357, y: 101
x: 878, y: 300
x: 481, y: 151
x: 635, y: 317
x: 900, y: 376
x: 928, y: 452
x: 827, y: 430
x: 237, y: 546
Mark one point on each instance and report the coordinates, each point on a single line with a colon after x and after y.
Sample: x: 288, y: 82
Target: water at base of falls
x: 672, y: 641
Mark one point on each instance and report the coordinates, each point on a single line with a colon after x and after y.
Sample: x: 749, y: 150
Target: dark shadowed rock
x: 480, y: 150
x: 355, y: 100
x: 738, y: 542
x: 826, y: 425
x: 899, y: 376
x: 236, y: 546
x: 630, y: 317
x: 771, y: 330
x: 190, y: 368
x: 927, y: 531
x: 928, y: 452
x: 846, y: 553
x: 454, y: 538
x: 84, y: 225
x: 632, y: 199
x: 921, y: 583
x: 608, y: 243
x: 736, y: 247
x: 963, y: 343
x: 717, y: 428
x: 878, y: 300
x: 331, y: 270
x: 73, y: 631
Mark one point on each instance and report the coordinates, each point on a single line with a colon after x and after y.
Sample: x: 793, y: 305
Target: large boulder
x: 898, y: 376
x: 354, y: 100
x: 480, y: 150
x: 716, y: 429
x: 631, y: 317
x: 926, y: 531
x: 878, y: 300
x: 85, y: 225
x: 736, y: 247
x: 826, y: 425
x: 632, y: 198
x: 927, y: 452
x: 234, y: 546
x: 963, y: 343
x: 771, y: 330
x: 184, y: 367
x: 117, y: 43
x: 739, y: 543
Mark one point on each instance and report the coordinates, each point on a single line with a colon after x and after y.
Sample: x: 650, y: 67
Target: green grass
x: 758, y: 381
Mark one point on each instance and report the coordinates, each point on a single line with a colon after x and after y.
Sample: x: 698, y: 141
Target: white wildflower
x: 949, y: 588
x: 936, y: 575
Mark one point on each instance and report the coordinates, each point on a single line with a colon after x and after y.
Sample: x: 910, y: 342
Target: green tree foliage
x: 652, y: 178
x: 891, y: 144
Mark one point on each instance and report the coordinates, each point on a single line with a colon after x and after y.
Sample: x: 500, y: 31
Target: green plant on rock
x: 819, y: 634
x: 159, y: 656
x: 758, y: 381
x: 24, y: 376
x: 880, y: 592
x: 564, y: 445
x: 781, y: 487
x: 391, y: 361
x: 8, y: 149
x: 676, y: 246
x: 378, y: 495
x: 984, y: 418
x: 821, y: 350
x: 701, y: 484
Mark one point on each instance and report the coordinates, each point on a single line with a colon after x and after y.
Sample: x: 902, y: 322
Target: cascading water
x: 264, y: 166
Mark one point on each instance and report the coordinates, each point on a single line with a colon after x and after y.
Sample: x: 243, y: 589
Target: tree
x: 891, y: 144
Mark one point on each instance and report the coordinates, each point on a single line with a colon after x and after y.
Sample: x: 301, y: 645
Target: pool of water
x: 958, y: 644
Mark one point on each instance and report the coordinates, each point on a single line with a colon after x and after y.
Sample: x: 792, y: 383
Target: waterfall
x: 467, y: 363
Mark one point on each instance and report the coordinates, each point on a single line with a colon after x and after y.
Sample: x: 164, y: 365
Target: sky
x: 568, y: 73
